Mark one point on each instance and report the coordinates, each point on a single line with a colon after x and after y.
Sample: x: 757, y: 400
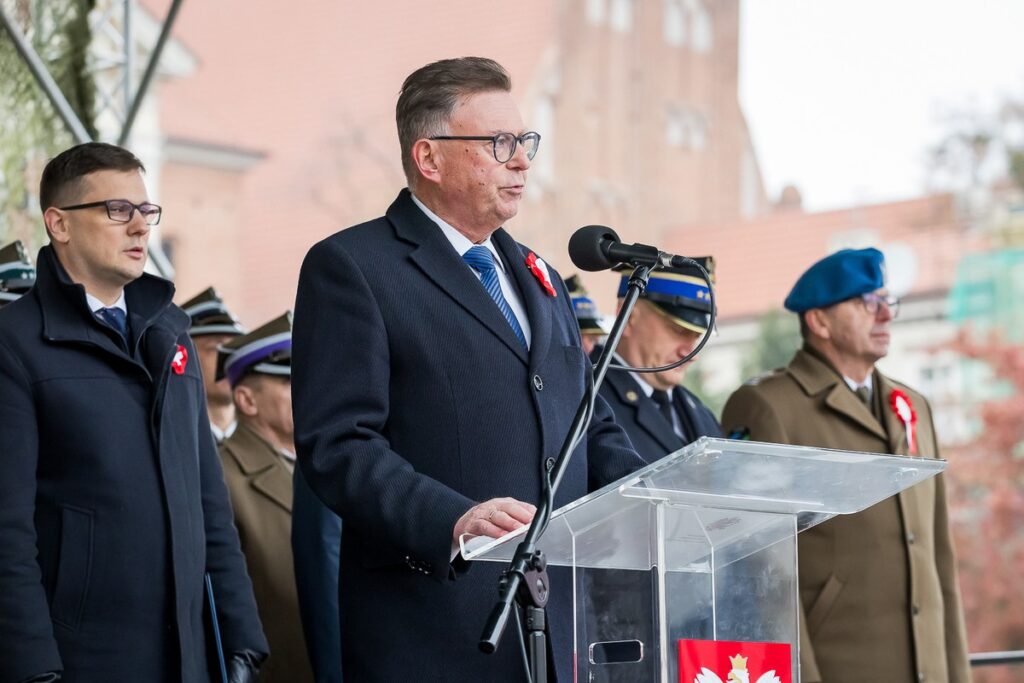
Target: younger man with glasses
x: 114, y: 505
x: 878, y: 589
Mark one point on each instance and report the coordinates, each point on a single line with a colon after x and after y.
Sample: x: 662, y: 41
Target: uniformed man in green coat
x: 259, y: 461
x: 878, y: 589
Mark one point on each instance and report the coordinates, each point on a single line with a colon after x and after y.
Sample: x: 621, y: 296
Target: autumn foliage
x: 986, y: 482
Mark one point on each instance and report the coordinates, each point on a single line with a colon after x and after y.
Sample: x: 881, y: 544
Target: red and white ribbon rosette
x: 904, y: 409
x: 180, y: 360
x: 540, y: 271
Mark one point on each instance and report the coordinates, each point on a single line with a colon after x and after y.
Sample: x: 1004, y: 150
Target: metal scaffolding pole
x: 44, y: 79
x: 147, y: 77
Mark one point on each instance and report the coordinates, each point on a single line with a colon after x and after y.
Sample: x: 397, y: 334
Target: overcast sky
x: 844, y: 98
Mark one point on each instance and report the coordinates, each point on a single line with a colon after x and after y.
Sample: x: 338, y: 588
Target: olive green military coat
x: 878, y: 589
x: 260, y: 487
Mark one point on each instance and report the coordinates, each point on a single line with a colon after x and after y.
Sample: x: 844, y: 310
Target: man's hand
x: 495, y: 518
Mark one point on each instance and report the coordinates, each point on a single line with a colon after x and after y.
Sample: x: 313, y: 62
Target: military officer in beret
x: 16, y: 272
x: 878, y: 589
x: 587, y: 314
x: 259, y: 459
x: 213, y: 325
x: 658, y: 413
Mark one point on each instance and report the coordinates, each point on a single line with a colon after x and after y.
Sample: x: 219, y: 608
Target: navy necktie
x: 481, y: 260
x: 664, y: 402
x: 116, y: 319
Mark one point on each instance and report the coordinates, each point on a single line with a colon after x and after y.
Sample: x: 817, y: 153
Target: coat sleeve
x: 236, y: 606
x: 341, y: 370
x: 957, y: 661
x: 27, y: 644
x: 316, y: 549
x: 748, y: 409
x: 610, y: 454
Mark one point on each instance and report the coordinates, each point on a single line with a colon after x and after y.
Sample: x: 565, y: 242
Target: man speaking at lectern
x: 436, y: 370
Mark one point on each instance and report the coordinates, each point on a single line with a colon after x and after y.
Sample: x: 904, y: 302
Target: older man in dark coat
x: 658, y: 413
x: 114, y: 504
x: 436, y: 369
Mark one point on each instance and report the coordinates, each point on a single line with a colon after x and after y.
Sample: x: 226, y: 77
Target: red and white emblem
x: 723, y: 661
x: 904, y: 409
x: 540, y: 271
x: 180, y: 360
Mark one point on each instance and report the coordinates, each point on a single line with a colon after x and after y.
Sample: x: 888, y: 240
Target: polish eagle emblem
x: 738, y: 674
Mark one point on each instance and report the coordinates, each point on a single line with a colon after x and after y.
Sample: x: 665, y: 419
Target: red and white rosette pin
x: 904, y: 409
x: 180, y: 360
x: 540, y: 271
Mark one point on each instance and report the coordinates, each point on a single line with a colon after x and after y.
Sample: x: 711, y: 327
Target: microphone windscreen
x: 586, y: 247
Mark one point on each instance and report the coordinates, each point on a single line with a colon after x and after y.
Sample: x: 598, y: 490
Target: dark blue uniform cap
x: 837, y: 277
x: 680, y: 293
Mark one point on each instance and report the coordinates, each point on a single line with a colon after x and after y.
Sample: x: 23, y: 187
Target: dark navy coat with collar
x: 112, y: 500
x: 413, y: 401
x: 640, y: 416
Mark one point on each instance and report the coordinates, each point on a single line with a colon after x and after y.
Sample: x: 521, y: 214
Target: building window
x: 543, y: 167
x: 700, y: 19
x: 621, y: 15
x: 674, y: 23
x: 685, y: 129
x: 688, y: 22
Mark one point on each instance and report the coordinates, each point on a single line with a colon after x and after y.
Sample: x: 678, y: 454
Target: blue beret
x: 837, y: 277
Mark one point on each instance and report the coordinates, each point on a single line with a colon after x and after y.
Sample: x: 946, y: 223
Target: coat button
x: 549, y: 464
x: 538, y: 383
x: 911, y: 538
x: 920, y: 675
x: 915, y: 610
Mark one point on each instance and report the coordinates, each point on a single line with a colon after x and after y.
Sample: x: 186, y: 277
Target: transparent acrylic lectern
x: 700, y: 545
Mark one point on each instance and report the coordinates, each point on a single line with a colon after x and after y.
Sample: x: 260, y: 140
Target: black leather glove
x: 244, y: 666
x: 48, y: 677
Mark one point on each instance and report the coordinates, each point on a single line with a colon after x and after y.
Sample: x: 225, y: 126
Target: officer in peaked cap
x: 213, y: 325
x: 258, y: 460
x: 587, y: 315
x: 16, y: 272
x: 879, y: 596
x: 659, y: 415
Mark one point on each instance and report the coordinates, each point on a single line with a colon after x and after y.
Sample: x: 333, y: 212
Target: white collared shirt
x: 462, y: 244
x: 219, y: 435
x: 95, y: 304
x: 854, y: 386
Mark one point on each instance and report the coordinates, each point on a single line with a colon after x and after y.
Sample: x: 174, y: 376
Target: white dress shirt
x: 854, y: 386
x: 462, y: 244
x: 95, y: 304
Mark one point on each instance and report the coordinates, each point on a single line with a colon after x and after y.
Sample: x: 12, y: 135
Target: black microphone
x: 597, y: 247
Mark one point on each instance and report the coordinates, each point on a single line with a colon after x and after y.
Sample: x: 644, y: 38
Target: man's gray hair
x: 429, y: 96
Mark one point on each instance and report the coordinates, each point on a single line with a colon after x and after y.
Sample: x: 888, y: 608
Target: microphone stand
x: 526, y: 579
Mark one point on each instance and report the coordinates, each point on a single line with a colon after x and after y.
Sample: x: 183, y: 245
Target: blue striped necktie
x: 115, y: 318
x: 481, y: 260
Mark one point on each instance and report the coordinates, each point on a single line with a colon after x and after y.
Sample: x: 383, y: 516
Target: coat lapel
x: 897, y: 431
x: 646, y: 412
x: 66, y: 315
x: 536, y: 301
x: 261, y: 466
x: 815, y: 377
x: 437, y: 259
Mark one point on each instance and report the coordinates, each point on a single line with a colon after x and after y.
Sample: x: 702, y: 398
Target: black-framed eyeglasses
x: 122, y: 210
x: 872, y: 301
x: 504, y: 144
